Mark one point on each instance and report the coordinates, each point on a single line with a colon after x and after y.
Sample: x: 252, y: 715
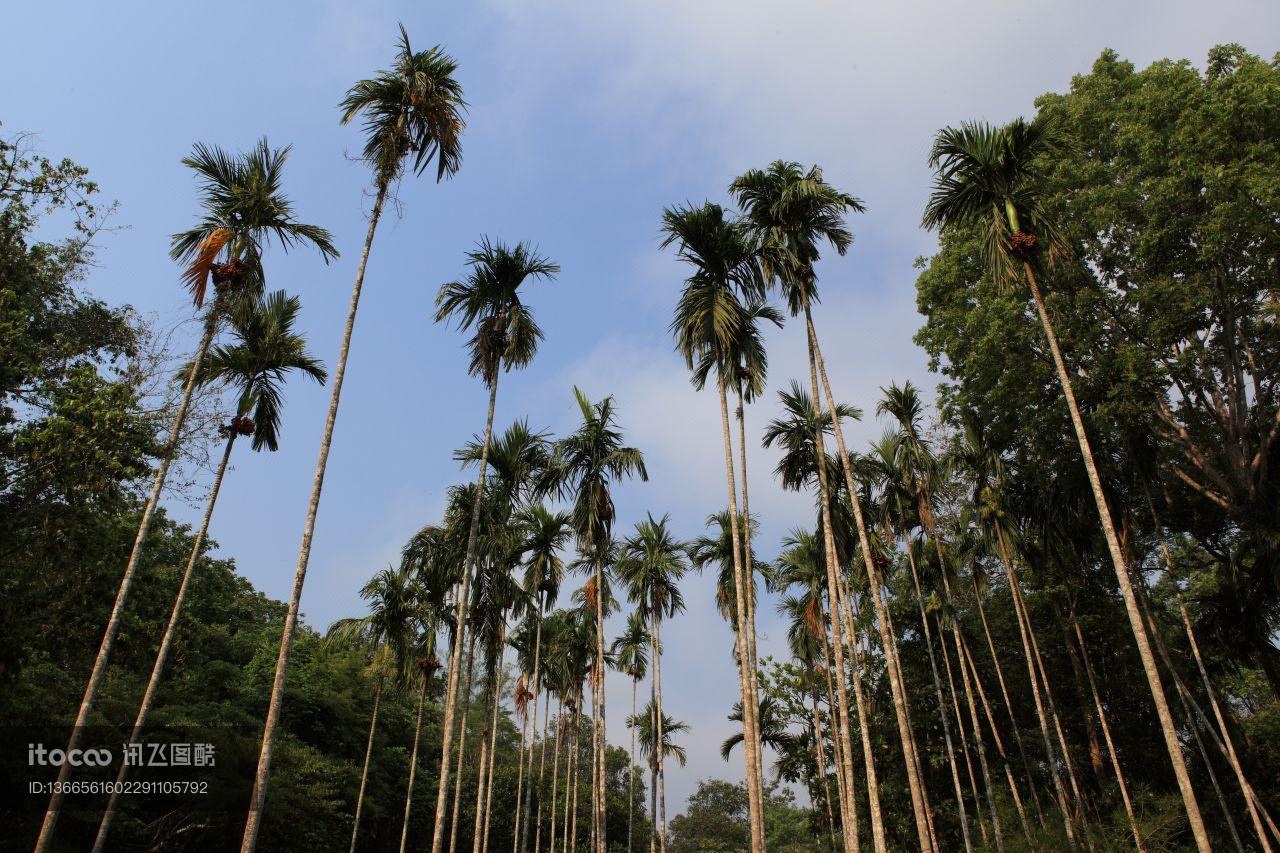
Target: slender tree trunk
x: 961, y: 643
x: 662, y: 736
x: 99, y: 671
x: 577, y: 779
x: 751, y: 741
x: 918, y: 799
x: 555, y: 782
x: 516, y: 832
x: 631, y: 776
x: 462, y: 743
x: 162, y: 655
x: 535, y: 681
x: 1167, y: 727
x: 748, y: 567
x: 848, y: 611
x: 455, y: 655
x: 598, y: 733
x: 493, y: 740
x: 542, y: 768
x: 1024, y: 628
x: 413, y: 765
x: 259, y: 798
x: 481, y: 768
x: 1004, y: 692
x: 968, y: 662
x: 820, y: 758
x: 1082, y: 691
x: 942, y: 706
x: 842, y: 790
x: 897, y: 656
x: 1106, y: 733
x: 364, y: 772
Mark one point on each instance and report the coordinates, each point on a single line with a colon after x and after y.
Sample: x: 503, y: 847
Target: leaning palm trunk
x: 162, y: 655
x: 977, y: 733
x: 462, y: 743
x: 942, y: 706
x: 522, y: 831
x: 259, y: 798
x: 918, y: 801
x: 751, y: 741
x: 1024, y: 628
x: 1106, y: 734
x: 1167, y: 727
x: 99, y: 671
x: 364, y: 773
x: 455, y: 654
x: 413, y: 765
x: 967, y: 662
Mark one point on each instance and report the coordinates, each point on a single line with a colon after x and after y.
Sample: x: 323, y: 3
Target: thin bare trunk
x: 162, y: 655
x: 751, y: 738
x: 820, y: 758
x: 748, y: 567
x: 833, y: 715
x: 542, y: 768
x: 516, y: 832
x: 493, y: 742
x: 462, y: 744
x: 961, y: 643
x: 919, y: 802
x: 413, y: 766
x: 1167, y: 727
x: 455, y: 655
x: 364, y: 772
x: 259, y: 797
x: 99, y: 671
x: 661, y: 739
x: 598, y: 732
x: 535, y: 681
x: 942, y: 708
x: 555, y: 782
x: 631, y: 776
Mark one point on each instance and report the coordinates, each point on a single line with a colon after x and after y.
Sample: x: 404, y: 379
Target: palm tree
x: 656, y: 731
x: 388, y: 631
x: 989, y: 177
x: 773, y: 728
x: 814, y: 559
x: 631, y: 656
x: 505, y: 336
x: 546, y: 534
x: 245, y: 209
x: 267, y: 348
x: 583, y: 467
x: 792, y: 212
x: 708, y: 322
x: 412, y: 112
x: 651, y: 565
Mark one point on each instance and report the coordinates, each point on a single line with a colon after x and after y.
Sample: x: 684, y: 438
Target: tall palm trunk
x: 942, y: 704
x: 1004, y: 692
x: 162, y: 655
x: 364, y: 772
x: 542, y: 768
x: 516, y: 824
x: 631, y: 775
x: 1024, y: 628
x: 455, y: 654
x: 1167, y: 727
x: 748, y: 569
x: 493, y: 754
x: 967, y: 662
x: 751, y: 737
x: 598, y: 733
x: 259, y: 798
x: 661, y: 736
x: 1106, y: 734
x: 555, y: 782
x: 919, y: 802
x: 571, y: 821
x: 99, y: 671
x: 522, y: 830
x: 462, y: 743
x: 833, y: 716
x: 413, y: 765
x: 897, y: 656
x: 820, y: 758
x: 981, y: 748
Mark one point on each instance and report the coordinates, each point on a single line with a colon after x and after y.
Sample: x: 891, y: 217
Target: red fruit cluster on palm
x: 228, y: 273
x: 242, y: 425
x: 1022, y: 245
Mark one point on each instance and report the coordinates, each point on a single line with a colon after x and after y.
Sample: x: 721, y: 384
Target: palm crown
x: 651, y: 565
x: 413, y: 109
x: 244, y: 207
x: 266, y: 349
x: 991, y: 177
x: 488, y: 301
x: 791, y: 211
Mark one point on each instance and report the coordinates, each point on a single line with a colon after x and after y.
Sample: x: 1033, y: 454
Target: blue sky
x: 587, y: 118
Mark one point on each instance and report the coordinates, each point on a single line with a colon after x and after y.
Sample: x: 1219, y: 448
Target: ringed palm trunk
x: 919, y: 804
x: 455, y: 654
x: 967, y: 662
x: 162, y: 655
x: 942, y: 704
x: 1167, y: 727
x: 364, y: 773
x: 1106, y: 734
x: 99, y: 671
x: 462, y: 743
x: 522, y: 830
x: 413, y: 765
x: 1024, y: 629
x: 259, y: 798
x: 751, y: 742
